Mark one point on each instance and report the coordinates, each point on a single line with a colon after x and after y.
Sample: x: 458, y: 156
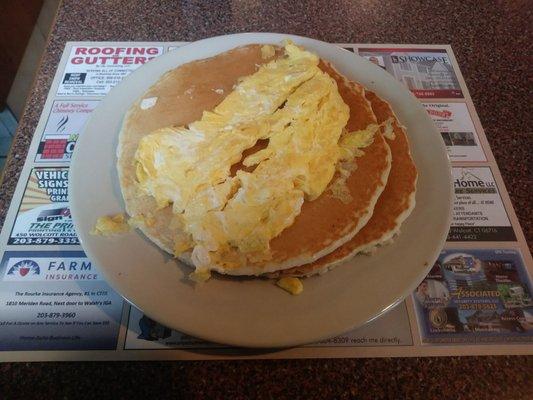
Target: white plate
x: 255, y: 312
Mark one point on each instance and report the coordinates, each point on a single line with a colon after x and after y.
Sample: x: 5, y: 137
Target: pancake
x: 327, y: 222
x: 181, y: 96
x: 393, y: 207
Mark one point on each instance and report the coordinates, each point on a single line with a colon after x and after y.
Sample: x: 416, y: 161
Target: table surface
x: 489, y: 40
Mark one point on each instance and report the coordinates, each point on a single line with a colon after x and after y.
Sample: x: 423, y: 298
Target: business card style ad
x: 94, y: 70
x: 476, y: 296
x: 428, y: 73
x: 56, y: 301
x: 478, y: 211
x: 457, y: 129
x: 63, y: 127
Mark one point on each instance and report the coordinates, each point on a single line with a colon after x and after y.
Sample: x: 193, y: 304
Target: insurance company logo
x: 24, y: 268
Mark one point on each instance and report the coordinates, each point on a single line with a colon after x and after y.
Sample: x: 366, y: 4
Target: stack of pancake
x: 377, y: 183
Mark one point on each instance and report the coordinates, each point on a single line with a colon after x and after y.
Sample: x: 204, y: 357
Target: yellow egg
x: 292, y: 285
x: 288, y: 101
x: 107, y: 226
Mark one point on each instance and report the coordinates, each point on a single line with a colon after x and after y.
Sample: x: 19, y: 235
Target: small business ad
x: 44, y: 216
x: 391, y: 329
x: 63, y: 127
x: 56, y: 301
x: 94, y: 70
x: 476, y: 296
x: 428, y: 73
x: 478, y: 210
x: 457, y: 129
x: 145, y: 333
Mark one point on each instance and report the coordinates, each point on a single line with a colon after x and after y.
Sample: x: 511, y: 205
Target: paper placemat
x: 55, y: 305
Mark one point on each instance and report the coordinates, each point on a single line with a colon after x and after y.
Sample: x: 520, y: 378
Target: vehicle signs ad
x: 428, y: 73
x: 476, y: 296
x: 44, y: 216
x: 457, y: 129
x: 56, y: 301
x: 62, y: 130
x: 478, y: 210
x: 94, y: 70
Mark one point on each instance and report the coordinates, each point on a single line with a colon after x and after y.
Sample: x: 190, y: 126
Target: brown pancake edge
x: 326, y: 223
x: 394, y: 205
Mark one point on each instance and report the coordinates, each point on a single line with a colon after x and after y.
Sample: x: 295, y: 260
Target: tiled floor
x: 24, y: 78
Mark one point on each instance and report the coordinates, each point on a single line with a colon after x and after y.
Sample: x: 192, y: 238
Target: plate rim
x: 259, y: 37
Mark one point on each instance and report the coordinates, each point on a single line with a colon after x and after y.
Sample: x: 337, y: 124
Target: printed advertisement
x: 145, y: 333
x: 94, y: 70
x: 391, y: 329
x: 479, y: 296
x: 44, y: 215
x: 478, y: 210
x: 56, y: 301
x: 457, y: 129
x: 428, y: 73
x: 62, y: 129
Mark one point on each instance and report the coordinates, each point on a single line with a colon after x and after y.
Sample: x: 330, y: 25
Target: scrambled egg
x: 108, y: 226
x: 140, y: 221
x: 292, y: 285
x: 200, y: 275
x: 350, y: 144
x: 267, y: 51
x: 388, y: 130
x: 230, y: 221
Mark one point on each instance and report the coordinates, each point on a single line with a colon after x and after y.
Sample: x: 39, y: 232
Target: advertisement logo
x: 446, y: 114
x: 63, y: 127
x: 74, y: 267
x: 469, y: 182
x: 74, y: 78
x: 54, y: 214
x: 397, y: 59
x: 24, y: 268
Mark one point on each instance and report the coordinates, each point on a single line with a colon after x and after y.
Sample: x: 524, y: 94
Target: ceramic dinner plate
x: 254, y: 312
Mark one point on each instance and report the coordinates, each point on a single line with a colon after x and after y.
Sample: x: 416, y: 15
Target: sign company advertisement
x: 44, y: 216
x: 56, y: 301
